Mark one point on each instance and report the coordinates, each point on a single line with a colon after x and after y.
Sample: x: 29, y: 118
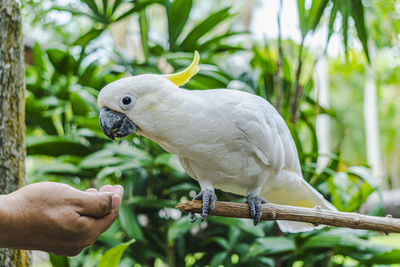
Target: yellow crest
x: 184, y: 76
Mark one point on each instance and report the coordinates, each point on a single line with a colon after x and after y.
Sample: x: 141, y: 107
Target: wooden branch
x: 315, y: 215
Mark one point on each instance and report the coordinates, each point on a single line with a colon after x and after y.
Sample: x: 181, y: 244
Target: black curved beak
x: 115, y: 124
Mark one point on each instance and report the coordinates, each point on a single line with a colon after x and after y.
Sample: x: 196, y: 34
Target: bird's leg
x: 254, y: 201
x: 208, y: 196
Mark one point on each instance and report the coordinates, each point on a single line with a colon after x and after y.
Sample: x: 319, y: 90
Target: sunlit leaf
x: 190, y: 42
x: 113, y: 256
x: 271, y: 246
x: 178, y: 13
x: 358, y: 17
x: 129, y: 222
x: 218, y: 258
x: 54, y: 145
x: 88, y: 37
x: 144, y: 29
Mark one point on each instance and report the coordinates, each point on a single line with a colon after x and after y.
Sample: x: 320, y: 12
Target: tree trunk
x: 12, y: 113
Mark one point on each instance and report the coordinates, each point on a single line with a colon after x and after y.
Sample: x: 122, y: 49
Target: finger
x: 116, y: 189
x: 105, y: 222
x: 116, y: 201
x: 105, y: 187
x: 95, y: 204
x: 91, y: 190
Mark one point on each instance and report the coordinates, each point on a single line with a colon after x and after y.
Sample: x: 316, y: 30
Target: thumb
x: 97, y: 204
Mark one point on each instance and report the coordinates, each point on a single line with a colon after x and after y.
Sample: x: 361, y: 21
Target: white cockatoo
x: 225, y: 139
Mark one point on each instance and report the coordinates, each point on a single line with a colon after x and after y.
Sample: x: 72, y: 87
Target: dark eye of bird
x: 126, y: 100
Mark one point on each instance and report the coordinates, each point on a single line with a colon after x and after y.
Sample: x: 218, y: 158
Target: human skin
x: 57, y: 218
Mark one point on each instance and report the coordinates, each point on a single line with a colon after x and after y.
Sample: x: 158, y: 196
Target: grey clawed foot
x: 208, y: 197
x: 255, y: 202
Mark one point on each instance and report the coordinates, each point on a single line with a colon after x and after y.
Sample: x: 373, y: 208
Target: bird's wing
x: 267, y: 133
x: 186, y: 166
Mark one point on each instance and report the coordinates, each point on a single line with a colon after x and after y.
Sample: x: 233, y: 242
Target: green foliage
x: 112, y: 256
x: 65, y: 143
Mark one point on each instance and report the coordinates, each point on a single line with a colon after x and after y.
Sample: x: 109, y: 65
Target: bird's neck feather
x: 166, y: 116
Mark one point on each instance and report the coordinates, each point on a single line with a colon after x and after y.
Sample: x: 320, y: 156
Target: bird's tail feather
x: 303, y: 195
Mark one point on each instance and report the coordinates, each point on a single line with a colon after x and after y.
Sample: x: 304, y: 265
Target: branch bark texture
x: 12, y: 113
x: 291, y: 213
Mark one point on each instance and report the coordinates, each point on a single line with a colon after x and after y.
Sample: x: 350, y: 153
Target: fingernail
x: 115, y: 201
x: 120, y: 189
x: 106, y: 187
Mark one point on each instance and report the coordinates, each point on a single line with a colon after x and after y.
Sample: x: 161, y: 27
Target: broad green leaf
x: 85, y: 39
x: 77, y: 12
x: 138, y: 6
x: 38, y: 59
x: 62, y: 61
x: 130, y: 151
x: 332, y: 19
x: 79, y: 105
x: 55, y: 146
x: 365, y: 174
x: 92, y: 6
x: 245, y: 225
x: 207, y: 80
x: 58, y: 168
x: 88, y: 76
x: 163, y: 159
x: 178, y: 13
x: 358, y: 17
x: 113, y: 256
x: 59, y: 261
x: 328, y: 241
x: 129, y: 222
x: 221, y: 241
x: 391, y: 257
x: 287, y: 70
x: 179, y: 228
x: 392, y: 240
x: 106, y: 171
x: 271, y: 246
x: 190, y: 42
x: 233, y: 236
x: 144, y: 31
x: 96, y: 162
x: 152, y: 203
x: 345, y: 10
x: 303, y: 16
x: 35, y: 118
x: 185, y: 187
x: 216, y: 41
x: 315, y: 13
x: 218, y: 259
x: 104, y: 7
x: 116, y: 4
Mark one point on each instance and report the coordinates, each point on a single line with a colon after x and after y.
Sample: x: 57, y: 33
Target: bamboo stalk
x: 315, y: 215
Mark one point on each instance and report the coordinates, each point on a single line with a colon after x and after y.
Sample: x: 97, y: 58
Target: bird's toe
x: 255, y: 206
x: 208, y: 198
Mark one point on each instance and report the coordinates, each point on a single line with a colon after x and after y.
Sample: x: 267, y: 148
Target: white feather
x: 227, y: 139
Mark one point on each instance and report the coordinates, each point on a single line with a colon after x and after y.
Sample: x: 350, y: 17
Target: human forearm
x: 55, y: 217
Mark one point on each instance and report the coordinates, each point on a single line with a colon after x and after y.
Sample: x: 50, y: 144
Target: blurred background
x: 328, y: 66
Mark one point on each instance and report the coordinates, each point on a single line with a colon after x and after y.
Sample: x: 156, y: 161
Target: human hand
x: 58, y: 218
